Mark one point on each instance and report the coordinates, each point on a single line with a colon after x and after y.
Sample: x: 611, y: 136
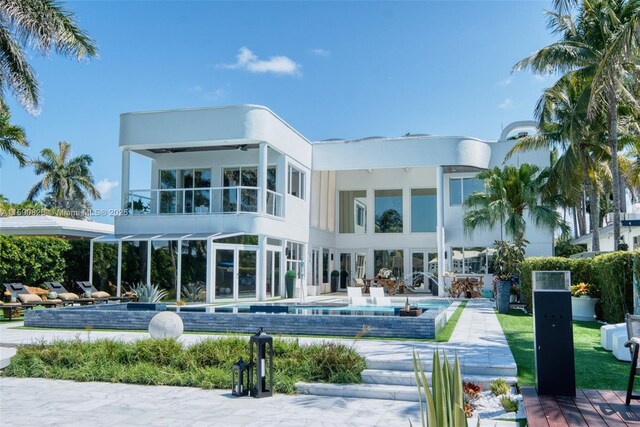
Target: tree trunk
x: 582, y: 224
x: 623, y: 193
x: 574, y: 215
x: 615, y: 171
x: 594, y: 196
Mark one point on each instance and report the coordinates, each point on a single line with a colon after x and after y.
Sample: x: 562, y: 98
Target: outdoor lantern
x: 261, y: 354
x: 240, y: 378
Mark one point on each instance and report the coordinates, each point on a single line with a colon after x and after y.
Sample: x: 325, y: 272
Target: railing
x: 624, y: 216
x: 214, y: 200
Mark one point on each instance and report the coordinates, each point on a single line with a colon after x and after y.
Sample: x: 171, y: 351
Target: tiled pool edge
x: 115, y: 316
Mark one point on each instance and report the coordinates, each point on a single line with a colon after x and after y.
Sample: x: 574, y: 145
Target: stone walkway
x: 477, y: 338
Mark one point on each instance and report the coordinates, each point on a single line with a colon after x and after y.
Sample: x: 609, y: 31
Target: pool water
x: 326, y: 309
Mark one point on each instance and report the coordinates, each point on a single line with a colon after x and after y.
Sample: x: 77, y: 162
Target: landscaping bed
x: 206, y: 364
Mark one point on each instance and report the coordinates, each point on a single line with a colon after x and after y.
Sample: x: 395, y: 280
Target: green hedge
x: 611, y: 274
x: 32, y: 260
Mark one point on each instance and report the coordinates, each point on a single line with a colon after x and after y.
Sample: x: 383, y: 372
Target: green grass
x: 206, y: 364
x: 596, y: 368
x: 444, y: 335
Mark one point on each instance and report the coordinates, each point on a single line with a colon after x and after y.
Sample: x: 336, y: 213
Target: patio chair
x: 378, y: 298
x: 100, y: 296
x: 28, y: 300
x: 355, y: 296
x: 67, y: 296
x: 633, y: 333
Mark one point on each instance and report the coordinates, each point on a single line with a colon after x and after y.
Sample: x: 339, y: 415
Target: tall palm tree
x: 564, y: 124
x: 68, y: 181
x: 600, y: 44
x: 509, y: 193
x: 41, y: 25
x: 11, y: 137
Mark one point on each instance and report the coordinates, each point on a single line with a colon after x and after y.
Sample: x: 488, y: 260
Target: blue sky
x: 330, y: 69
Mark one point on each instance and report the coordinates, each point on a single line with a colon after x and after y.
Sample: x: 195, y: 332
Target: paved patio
x: 478, y: 338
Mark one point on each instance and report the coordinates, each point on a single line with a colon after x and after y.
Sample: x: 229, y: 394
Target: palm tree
x: 68, y: 181
x: 41, y: 25
x: 564, y: 124
x: 11, y: 137
x: 509, y: 193
x: 600, y: 44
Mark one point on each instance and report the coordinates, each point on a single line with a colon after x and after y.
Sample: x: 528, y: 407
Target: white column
x: 179, y: 271
x: 126, y: 154
x: 303, y: 270
x: 90, y: 260
x: 119, y: 277
x: 440, y: 227
x: 261, y: 268
x: 210, y: 286
x: 262, y: 177
x: 148, y: 261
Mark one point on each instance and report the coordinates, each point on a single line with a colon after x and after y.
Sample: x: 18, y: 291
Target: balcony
x: 202, y: 201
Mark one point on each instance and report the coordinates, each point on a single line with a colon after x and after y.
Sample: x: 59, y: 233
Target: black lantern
x: 261, y: 354
x: 240, y: 378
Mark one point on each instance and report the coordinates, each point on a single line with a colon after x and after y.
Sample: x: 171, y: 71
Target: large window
x: 472, y: 260
x: 105, y: 266
x: 245, y: 176
x: 296, y: 183
x: 134, y: 263
x: 390, y: 259
x: 461, y: 188
x: 293, y: 252
x: 194, y: 271
x: 164, y: 261
x: 388, y: 209
x: 423, y: 210
x: 179, y: 190
x: 353, y: 212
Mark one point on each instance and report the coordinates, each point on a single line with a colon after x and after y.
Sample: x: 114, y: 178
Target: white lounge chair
x: 355, y: 296
x: 378, y: 298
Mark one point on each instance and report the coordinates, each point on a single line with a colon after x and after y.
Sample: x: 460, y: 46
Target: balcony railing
x: 214, y: 200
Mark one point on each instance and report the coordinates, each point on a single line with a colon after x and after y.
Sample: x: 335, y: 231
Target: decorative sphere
x: 166, y: 325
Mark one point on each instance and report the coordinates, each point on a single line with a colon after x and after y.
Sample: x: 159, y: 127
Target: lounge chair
x: 67, y: 296
x: 355, y: 296
x: 28, y: 300
x: 378, y: 298
x: 633, y: 333
x: 88, y: 289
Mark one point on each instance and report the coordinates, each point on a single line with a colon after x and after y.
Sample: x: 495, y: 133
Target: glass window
x: 388, y: 209
x: 455, y: 191
x: 193, y: 286
x: 134, y: 263
x: 470, y: 186
x: 423, y: 210
x: 164, y: 259
x: 296, y: 183
x: 461, y: 188
x: 105, y: 266
x: 353, y: 212
x: 472, y: 260
x: 390, y: 259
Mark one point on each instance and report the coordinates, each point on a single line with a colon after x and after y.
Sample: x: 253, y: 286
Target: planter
x: 334, y: 283
x: 583, y: 308
x: 289, y: 284
x: 504, y: 293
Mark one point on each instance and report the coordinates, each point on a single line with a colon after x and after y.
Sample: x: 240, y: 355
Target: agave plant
x: 149, y: 292
x: 193, y: 292
x: 443, y: 405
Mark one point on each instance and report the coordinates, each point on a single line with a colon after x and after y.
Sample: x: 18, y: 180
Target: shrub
x: 613, y: 275
x: 583, y: 289
x: 499, y: 387
x: 31, y: 259
x: 149, y: 292
x: 509, y: 404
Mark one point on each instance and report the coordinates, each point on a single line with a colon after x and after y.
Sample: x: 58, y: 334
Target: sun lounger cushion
x: 29, y: 298
x: 68, y: 296
x: 100, y: 294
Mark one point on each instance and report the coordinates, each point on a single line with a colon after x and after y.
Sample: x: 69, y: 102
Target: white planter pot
x: 312, y: 291
x: 583, y: 308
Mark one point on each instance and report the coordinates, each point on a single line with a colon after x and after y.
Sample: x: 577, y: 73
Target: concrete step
x: 406, y: 378
x: 362, y: 391
x: 498, y: 370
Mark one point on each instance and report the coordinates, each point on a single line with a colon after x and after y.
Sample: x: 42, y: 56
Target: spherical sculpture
x: 166, y: 325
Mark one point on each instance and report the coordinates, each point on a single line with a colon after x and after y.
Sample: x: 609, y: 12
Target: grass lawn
x: 445, y: 333
x: 596, y: 368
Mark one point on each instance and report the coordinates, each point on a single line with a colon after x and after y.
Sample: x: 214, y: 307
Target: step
x: 494, y: 369
x: 383, y: 376
x: 362, y: 391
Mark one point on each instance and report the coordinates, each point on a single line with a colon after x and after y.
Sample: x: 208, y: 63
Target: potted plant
x: 289, y: 279
x: 583, y: 301
x: 515, y: 293
x: 335, y: 276
x: 506, y: 262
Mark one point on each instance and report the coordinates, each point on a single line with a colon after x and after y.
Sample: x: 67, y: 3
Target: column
x: 211, y: 262
x: 179, y: 271
x: 90, y: 260
x: 119, y: 278
x: 126, y: 154
x: 261, y: 267
x: 440, y: 228
x: 262, y: 178
x: 149, y: 261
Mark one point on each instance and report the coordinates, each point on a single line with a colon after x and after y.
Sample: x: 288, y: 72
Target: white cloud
x: 321, y: 52
x: 105, y: 186
x: 247, y: 60
x: 506, y: 82
x: 208, y: 95
x: 507, y: 104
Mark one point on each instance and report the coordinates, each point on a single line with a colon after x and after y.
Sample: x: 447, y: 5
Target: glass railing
x: 214, y: 200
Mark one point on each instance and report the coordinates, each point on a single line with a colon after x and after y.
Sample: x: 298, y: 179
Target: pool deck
x: 476, y: 339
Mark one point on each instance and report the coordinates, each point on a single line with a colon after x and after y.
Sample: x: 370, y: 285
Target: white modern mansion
x: 237, y: 196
